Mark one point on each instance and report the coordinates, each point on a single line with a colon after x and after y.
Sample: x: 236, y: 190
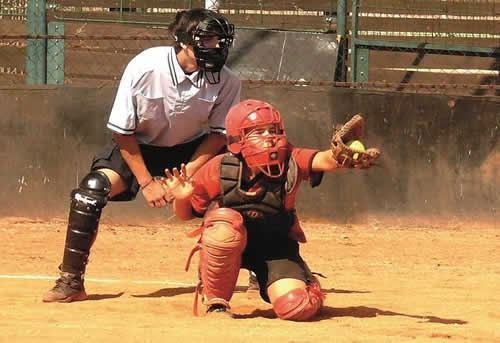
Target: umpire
x: 169, y: 109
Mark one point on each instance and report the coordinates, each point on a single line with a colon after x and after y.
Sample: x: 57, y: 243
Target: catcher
x: 247, y: 198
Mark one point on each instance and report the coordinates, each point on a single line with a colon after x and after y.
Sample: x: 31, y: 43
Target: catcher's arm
x: 340, y: 155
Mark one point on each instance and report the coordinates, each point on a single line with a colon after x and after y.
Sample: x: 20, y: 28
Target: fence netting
x: 415, y: 45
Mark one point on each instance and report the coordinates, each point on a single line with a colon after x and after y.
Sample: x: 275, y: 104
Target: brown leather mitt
x: 351, y: 156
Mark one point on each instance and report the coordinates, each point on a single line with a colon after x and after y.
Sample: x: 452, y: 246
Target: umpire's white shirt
x: 163, y: 106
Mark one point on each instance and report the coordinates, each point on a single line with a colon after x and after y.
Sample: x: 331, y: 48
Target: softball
x: 356, y: 145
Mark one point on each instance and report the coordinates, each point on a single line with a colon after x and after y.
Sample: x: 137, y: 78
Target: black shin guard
x: 87, y: 202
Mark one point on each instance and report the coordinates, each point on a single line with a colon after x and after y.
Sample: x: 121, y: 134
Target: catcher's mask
x: 255, y: 130
x: 219, y: 32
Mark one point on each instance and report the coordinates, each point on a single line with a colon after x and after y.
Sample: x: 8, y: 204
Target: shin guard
x: 299, y: 304
x: 85, y: 211
x: 222, y: 243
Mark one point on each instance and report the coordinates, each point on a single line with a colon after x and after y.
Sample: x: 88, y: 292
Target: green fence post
x: 342, y: 44
x: 341, y: 18
x: 121, y: 10
x: 36, y: 49
x: 55, y: 54
x: 354, y: 36
x: 360, y: 55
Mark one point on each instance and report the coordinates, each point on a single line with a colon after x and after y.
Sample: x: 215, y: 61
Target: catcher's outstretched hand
x: 351, y: 156
x: 179, y: 184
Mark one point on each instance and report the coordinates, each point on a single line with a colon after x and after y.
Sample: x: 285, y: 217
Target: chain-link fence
x: 415, y: 45
x: 91, y: 41
x: 12, y: 51
x: 411, y: 44
x: 15, y: 10
x: 312, y: 15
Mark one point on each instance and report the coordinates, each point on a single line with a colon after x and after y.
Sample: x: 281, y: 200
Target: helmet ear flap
x: 234, y: 145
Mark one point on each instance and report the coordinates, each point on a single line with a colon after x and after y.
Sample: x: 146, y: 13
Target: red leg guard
x: 222, y: 243
x: 299, y: 304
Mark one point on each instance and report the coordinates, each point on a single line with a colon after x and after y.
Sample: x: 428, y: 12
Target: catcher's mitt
x: 345, y: 155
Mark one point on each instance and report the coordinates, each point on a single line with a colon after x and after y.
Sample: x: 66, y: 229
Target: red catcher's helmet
x: 267, y: 149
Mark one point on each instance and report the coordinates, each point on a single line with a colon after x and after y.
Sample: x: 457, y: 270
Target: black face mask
x: 211, y: 59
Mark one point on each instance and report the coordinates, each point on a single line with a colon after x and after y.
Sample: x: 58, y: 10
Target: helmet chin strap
x: 212, y: 77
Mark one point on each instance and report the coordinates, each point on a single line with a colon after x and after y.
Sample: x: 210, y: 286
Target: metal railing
x: 388, y: 44
x: 440, y: 45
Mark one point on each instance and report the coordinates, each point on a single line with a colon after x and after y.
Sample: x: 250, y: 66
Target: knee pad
x: 87, y: 202
x: 222, y: 243
x: 225, y: 215
x: 299, y: 304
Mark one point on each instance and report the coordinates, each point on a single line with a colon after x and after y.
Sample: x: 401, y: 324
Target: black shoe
x: 219, y: 309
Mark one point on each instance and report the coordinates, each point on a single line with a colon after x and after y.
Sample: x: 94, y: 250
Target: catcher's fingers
x: 184, y: 171
x: 174, y: 175
x: 179, y: 176
x: 168, y: 174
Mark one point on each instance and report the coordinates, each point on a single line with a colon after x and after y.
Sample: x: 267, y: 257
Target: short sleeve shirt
x: 207, y: 187
x: 164, y: 107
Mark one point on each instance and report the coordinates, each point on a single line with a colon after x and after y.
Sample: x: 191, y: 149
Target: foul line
x: 147, y: 282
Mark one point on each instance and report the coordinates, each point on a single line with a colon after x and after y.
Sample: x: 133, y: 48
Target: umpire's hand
x: 155, y: 194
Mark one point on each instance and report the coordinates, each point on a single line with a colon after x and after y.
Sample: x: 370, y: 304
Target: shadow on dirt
x: 356, y: 312
x: 269, y: 314
x: 104, y: 296
x: 343, y: 291
x: 370, y: 312
x: 167, y: 292
x: 171, y: 292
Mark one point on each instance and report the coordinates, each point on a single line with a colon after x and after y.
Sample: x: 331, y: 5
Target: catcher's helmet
x: 256, y: 131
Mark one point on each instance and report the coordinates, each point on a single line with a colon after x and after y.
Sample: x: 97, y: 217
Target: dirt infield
x: 387, y: 281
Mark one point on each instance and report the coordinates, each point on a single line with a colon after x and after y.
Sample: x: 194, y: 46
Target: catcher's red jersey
x: 207, y: 180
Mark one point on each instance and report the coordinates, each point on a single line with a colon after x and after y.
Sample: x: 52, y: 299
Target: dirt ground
x: 387, y: 280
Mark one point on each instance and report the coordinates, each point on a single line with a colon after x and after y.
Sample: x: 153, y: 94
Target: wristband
x: 146, y: 184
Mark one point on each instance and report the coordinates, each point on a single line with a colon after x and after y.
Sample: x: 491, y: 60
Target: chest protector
x: 264, y: 206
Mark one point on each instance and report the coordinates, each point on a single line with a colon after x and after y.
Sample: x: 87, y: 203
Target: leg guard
x: 85, y: 210
x: 299, y: 304
x: 222, y: 243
